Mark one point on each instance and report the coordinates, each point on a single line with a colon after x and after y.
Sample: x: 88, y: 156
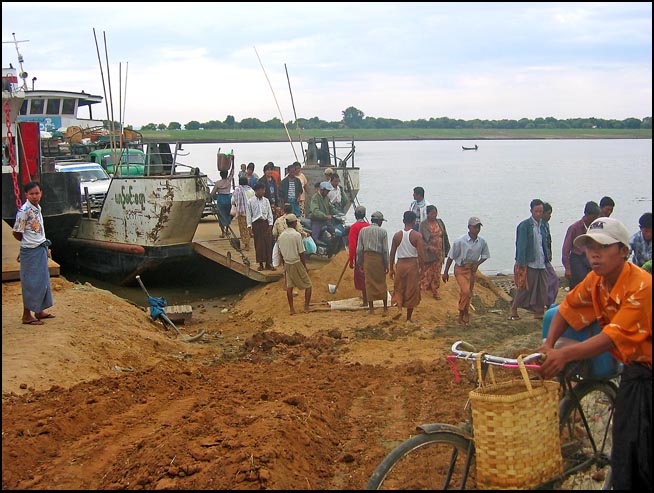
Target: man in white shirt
x: 419, y: 206
x: 259, y: 217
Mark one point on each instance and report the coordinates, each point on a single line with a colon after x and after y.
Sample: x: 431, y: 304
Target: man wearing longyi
x: 616, y: 298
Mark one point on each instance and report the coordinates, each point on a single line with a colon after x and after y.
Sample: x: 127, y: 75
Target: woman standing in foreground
x: 33, y: 258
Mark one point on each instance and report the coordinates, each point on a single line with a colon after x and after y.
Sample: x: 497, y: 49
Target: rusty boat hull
x: 145, y: 223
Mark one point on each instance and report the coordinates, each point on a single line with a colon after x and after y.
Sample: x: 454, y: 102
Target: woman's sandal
x: 513, y: 317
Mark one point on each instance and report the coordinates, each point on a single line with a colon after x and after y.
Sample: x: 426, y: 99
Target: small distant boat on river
x: 470, y: 148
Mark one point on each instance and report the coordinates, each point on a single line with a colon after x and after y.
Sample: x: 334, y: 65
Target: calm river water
x: 495, y: 183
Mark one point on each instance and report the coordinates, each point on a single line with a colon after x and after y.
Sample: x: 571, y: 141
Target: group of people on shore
x: 416, y: 257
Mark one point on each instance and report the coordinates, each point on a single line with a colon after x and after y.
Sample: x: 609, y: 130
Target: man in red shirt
x: 353, y: 236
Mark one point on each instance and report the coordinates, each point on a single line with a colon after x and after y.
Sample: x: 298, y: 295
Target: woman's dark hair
x: 223, y: 173
x: 243, y: 180
x: 431, y: 208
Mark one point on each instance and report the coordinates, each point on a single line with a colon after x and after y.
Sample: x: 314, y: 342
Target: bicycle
x: 442, y: 456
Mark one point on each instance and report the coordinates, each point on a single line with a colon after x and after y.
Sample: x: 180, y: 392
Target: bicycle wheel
x: 587, y: 453
x: 438, y: 460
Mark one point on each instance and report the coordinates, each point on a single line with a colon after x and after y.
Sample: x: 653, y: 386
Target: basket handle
x: 525, y: 375
x: 480, y: 375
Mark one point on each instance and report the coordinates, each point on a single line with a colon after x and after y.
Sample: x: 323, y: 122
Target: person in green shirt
x: 322, y: 211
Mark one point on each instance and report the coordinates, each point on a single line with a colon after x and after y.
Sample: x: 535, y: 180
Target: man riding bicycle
x: 617, y: 296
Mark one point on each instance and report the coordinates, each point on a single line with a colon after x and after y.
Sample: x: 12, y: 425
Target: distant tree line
x: 355, y: 118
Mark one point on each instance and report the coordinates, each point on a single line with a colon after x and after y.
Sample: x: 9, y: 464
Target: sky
x: 180, y: 62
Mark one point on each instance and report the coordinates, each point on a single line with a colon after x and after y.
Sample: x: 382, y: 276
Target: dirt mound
x: 101, y: 397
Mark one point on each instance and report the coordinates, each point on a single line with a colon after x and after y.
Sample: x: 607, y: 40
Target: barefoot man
x: 372, y: 254
x: 291, y: 250
x: 407, y: 245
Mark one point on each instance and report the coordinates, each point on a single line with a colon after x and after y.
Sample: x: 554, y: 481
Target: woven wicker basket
x: 516, y: 429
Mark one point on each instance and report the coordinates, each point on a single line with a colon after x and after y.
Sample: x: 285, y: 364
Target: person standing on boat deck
x: 352, y: 238
x: 552, y: 278
x: 372, y: 255
x: 271, y: 190
x: 305, y: 187
x: 289, y: 191
x: 606, y: 206
x: 611, y: 310
x: 574, y: 259
x: 531, y: 252
x: 222, y: 193
x: 468, y: 253
x: 242, y: 193
x: 260, y: 221
x: 291, y: 250
x: 252, y: 177
x: 336, y: 196
x: 407, y: 244
x: 640, y: 243
x: 33, y: 257
x: 321, y: 211
x: 436, y: 245
x: 419, y: 206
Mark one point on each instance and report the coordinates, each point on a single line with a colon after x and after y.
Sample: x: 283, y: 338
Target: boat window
x: 68, y: 107
x: 36, y: 107
x: 23, y: 107
x: 53, y: 106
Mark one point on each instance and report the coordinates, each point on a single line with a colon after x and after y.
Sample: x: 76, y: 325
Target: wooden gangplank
x: 221, y: 251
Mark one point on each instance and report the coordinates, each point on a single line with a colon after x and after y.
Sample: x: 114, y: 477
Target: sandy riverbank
x: 101, y: 397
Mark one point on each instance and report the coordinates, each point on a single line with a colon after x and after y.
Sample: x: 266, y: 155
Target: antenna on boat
x: 275, y: 97
x: 23, y: 75
x: 297, y: 125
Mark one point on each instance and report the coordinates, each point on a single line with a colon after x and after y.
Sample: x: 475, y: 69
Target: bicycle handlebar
x: 465, y: 350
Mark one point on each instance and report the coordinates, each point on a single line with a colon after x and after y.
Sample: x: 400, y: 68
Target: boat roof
x: 83, y: 98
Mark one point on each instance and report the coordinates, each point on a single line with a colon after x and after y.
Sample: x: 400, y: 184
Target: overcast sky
x: 192, y: 61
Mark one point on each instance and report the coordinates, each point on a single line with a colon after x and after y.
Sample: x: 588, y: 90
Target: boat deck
x: 10, y: 250
x: 207, y: 242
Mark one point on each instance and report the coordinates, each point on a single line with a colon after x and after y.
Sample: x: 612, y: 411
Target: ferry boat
x: 145, y: 221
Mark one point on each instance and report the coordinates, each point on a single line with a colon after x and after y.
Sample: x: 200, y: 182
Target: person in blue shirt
x: 640, y: 243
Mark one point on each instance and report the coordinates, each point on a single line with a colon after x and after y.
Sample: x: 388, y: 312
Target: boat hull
x: 144, y: 222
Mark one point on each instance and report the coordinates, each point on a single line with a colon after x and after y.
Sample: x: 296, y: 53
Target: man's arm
x: 418, y: 244
x: 446, y: 272
x: 394, y: 244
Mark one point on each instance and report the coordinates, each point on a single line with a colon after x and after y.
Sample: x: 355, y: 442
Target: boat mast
x: 297, y: 125
x: 280, y: 111
x: 22, y: 74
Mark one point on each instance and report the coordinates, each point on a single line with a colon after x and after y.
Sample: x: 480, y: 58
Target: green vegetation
x: 279, y: 135
x: 355, y: 125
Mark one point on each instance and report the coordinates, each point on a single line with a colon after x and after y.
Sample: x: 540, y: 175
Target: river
x: 495, y: 183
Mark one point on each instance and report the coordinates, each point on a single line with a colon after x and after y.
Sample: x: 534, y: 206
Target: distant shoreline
x: 267, y: 135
